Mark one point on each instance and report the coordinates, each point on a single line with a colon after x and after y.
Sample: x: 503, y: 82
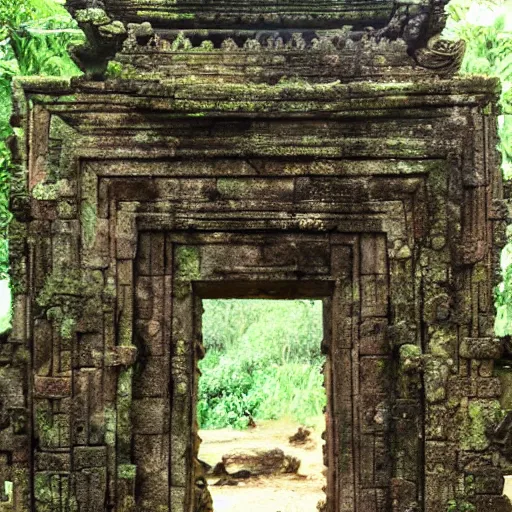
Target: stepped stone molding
x: 137, y: 198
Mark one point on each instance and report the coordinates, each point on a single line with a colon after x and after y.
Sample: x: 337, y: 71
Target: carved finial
x: 441, y: 55
x: 298, y: 42
x: 229, y: 45
x: 323, y: 44
x: 252, y: 45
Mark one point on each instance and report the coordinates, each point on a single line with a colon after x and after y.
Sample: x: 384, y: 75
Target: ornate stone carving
x: 443, y: 56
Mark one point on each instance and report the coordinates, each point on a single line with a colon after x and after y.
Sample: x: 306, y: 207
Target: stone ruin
x: 280, y: 149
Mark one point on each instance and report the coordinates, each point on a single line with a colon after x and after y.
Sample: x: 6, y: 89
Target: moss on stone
x: 479, y: 416
x: 460, y: 506
x: 188, y: 263
x: 46, y: 192
x: 168, y: 16
x: 124, y: 424
x: 46, y: 431
x: 126, y: 471
x: 88, y: 220
x: 67, y: 328
x: 116, y: 28
x: 42, y: 489
x: 66, y: 210
x: 50, y: 191
x: 92, y: 15
x: 410, y: 358
x: 114, y: 69
x: 441, y: 342
x: 69, y: 295
x: 110, y: 414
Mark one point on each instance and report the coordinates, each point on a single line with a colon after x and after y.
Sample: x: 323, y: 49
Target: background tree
x: 34, y: 37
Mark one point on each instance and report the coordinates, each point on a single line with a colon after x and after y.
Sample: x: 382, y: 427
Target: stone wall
x: 144, y: 196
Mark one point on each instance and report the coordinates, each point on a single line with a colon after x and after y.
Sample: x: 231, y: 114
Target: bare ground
x: 283, y: 493
x: 279, y: 493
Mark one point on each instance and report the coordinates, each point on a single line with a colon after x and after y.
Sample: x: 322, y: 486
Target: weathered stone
x: 52, y: 387
x: 58, y: 462
x: 488, y: 481
x: 436, y: 377
x: 494, y: 503
x: 121, y: 356
x: 89, y: 457
x: 200, y: 169
x: 481, y: 348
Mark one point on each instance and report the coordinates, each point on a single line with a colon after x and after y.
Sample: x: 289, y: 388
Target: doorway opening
x: 262, y: 403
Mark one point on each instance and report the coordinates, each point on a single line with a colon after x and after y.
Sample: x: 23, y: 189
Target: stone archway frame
x: 381, y: 163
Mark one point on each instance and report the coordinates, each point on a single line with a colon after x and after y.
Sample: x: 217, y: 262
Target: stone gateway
x: 278, y: 149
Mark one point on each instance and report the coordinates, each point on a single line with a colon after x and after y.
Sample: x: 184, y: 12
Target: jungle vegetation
x: 263, y: 361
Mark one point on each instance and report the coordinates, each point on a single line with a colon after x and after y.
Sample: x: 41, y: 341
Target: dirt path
x: 283, y: 493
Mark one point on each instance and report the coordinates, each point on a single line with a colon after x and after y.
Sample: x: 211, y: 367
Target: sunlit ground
x: 299, y: 492
x: 5, y: 305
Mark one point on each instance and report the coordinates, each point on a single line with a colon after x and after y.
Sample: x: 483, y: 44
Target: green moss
x: 127, y: 471
x: 234, y: 187
x: 151, y: 137
x: 67, y: 295
x: 46, y: 431
x: 49, y: 191
x: 128, y: 504
x: 110, y: 415
x: 460, y: 506
x: 410, y: 357
x: 206, y: 46
x: 93, y: 15
x: 67, y: 328
x: 124, y: 423
x: 46, y: 192
x: 116, y: 28
x: 440, y: 343
x: 168, y: 16
x: 188, y: 263
x: 114, y: 69
x: 42, y: 489
x: 480, y: 415
x: 66, y: 210
x: 58, y: 284
x: 88, y: 220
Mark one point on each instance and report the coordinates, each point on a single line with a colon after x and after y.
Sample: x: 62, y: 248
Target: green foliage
x: 460, y: 506
x: 34, y: 37
x: 263, y: 360
x: 486, y: 26
x: 231, y: 325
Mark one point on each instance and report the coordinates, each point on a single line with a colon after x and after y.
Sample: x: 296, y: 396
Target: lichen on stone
x: 188, y: 263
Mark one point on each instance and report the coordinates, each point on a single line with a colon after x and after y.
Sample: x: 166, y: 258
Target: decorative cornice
x: 403, y: 41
